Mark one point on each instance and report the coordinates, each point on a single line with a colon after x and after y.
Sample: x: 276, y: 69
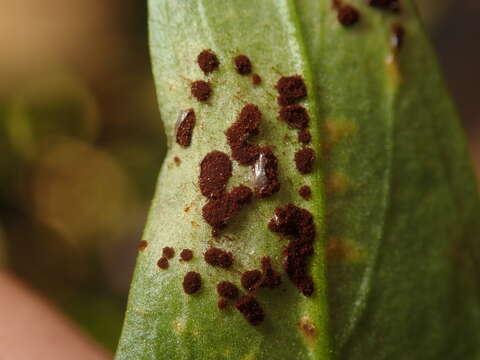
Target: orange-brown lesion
x: 308, y: 330
x: 344, y: 251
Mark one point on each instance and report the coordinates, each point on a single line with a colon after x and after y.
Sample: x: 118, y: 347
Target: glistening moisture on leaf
x: 326, y: 211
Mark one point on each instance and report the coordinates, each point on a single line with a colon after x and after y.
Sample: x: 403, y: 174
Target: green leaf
x: 396, y: 259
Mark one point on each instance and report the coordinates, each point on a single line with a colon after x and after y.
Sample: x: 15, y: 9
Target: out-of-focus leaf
x: 399, y: 219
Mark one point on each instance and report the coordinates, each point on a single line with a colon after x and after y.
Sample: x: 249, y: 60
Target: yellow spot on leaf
x: 348, y: 251
x: 337, y: 184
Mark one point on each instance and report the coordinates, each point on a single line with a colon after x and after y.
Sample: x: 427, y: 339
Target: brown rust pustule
x: 207, y: 61
x: 142, y: 245
x: 162, y: 263
x: 192, y: 282
x: 298, y: 224
x: 290, y: 89
x: 270, y: 278
x: 256, y: 80
x: 186, y: 255
x: 348, y: 15
x: 243, y: 64
x: 240, y: 132
x: 295, y: 116
x: 218, y: 257
x: 184, y: 127
x: 250, y: 309
x: 201, y: 90
x: 215, y: 171
x: 168, y: 252
x: 227, y: 290
x: 391, y: 5
x: 304, y: 160
x: 305, y: 192
x: 251, y: 279
x: 304, y: 137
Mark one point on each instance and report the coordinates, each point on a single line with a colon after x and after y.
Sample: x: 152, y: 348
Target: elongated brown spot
x: 250, y: 309
x: 184, y: 127
x: 207, y: 61
x: 218, y: 257
x: 243, y: 64
x: 192, y: 282
x: 201, y: 90
x: 304, y: 160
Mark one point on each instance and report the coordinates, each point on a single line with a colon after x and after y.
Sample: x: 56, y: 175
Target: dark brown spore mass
x: 290, y: 89
x: 227, y: 290
x: 142, y: 245
x: 270, y: 278
x: 208, y: 61
x: 201, y: 90
x: 251, y: 279
x: 168, y: 252
x: 348, y: 15
x: 163, y: 263
x: 265, y: 173
x: 218, y: 257
x: 243, y: 64
x: 217, y: 212
x: 239, y: 133
x: 192, y: 282
x: 215, y: 171
x: 256, y: 79
x: 304, y: 160
x: 186, y: 255
x: 398, y: 36
x: 305, y: 192
x: 250, y: 309
x: 297, y: 223
x: 222, y: 303
x: 295, y: 116
x: 392, y: 5
x: 184, y: 127
x: 304, y: 136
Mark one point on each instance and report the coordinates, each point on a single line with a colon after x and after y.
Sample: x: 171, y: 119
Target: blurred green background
x: 81, y: 142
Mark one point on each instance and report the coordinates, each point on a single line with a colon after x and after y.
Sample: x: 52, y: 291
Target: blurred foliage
x: 81, y: 144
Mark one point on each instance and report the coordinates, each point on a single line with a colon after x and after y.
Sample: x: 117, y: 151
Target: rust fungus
x: 290, y: 89
x: 256, y: 79
x: 184, y: 127
x: 308, y: 330
x: 392, y: 5
x: 142, y: 245
x: 304, y: 136
x: 304, y: 160
x: 295, y: 116
x: 218, y: 257
x: 201, y: 90
x: 270, y: 278
x: 177, y: 160
x: 215, y: 171
x: 217, y: 212
x: 298, y: 224
x: 347, y: 15
x: 192, y: 282
x: 240, y: 131
x: 227, y: 290
x: 222, y: 303
x: 305, y: 192
x: 265, y: 173
x: 162, y: 263
x: 250, y: 309
x: 168, y: 252
x: 251, y: 279
x: 186, y: 255
x: 243, y: 64
x: 207, y: 61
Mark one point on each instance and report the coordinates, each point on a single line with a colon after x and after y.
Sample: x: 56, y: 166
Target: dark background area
x: 81, y: 142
